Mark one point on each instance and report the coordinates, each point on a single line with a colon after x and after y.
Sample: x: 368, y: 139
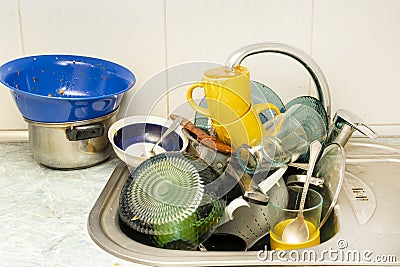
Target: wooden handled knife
x: 203, y: 137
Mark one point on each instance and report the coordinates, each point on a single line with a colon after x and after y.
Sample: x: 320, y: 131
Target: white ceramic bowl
x: 134, y: 136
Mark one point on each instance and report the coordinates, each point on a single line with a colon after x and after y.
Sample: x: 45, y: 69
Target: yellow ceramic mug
x: 234, y: 117
x: 227, y: 93
x: 247, y: 129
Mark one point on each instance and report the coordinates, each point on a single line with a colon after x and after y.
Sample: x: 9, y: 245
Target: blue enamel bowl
x: 65, y: 88
x: 132, y: 137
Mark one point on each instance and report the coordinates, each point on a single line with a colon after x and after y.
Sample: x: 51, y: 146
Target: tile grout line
x: 312, y: 27
x: 311, y: 41
x: 21, y: 35
x: 166, y: 56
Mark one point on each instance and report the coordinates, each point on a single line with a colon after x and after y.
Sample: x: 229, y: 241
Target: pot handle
x: 84, y: 132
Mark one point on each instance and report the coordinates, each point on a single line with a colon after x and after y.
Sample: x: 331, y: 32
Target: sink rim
x: 102, y: 212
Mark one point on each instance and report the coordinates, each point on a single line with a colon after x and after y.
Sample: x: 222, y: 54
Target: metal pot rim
x: 71, y: 123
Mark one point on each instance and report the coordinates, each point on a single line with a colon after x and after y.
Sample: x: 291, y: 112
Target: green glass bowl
x: 165, y: 197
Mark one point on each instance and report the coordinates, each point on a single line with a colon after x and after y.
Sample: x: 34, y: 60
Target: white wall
x: 354, y: 41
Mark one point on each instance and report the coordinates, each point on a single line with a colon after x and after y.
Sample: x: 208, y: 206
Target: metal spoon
x: 297, y: 230
x: 174, y: 125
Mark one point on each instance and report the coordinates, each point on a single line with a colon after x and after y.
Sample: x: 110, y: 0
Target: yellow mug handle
x: 264, y: 106
x: 194, y: 105
x: 204, y: 111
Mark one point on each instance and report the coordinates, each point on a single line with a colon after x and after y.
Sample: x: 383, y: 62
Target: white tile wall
x: 128, y: 32
x: 212, y: 30
x: 10, y: 48
x: 355, y: 43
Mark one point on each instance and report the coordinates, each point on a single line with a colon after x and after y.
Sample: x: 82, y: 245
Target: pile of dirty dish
x: 233, y: 178
x: 247, y: 173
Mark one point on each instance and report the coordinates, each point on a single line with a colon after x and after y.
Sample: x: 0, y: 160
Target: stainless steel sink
x: 362, y: 230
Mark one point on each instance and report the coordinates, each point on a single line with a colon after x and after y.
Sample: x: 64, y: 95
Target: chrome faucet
x: 344, y: 125
x: 312, y: 67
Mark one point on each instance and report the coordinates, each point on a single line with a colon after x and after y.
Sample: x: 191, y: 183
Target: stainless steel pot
x: 215, y: 159
x: 71, y: 145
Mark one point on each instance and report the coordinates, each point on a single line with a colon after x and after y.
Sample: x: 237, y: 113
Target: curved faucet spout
x: 312, y: 67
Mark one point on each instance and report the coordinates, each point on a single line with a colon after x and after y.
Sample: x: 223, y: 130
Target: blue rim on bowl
x: 126, y: 133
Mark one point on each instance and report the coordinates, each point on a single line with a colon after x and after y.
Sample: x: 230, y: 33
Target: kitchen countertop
x: 44, y: 212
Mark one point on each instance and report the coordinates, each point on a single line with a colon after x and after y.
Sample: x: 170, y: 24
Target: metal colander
x: 249, y: 221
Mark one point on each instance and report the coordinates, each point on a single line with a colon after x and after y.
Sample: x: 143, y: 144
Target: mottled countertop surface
x: 44, y: 212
